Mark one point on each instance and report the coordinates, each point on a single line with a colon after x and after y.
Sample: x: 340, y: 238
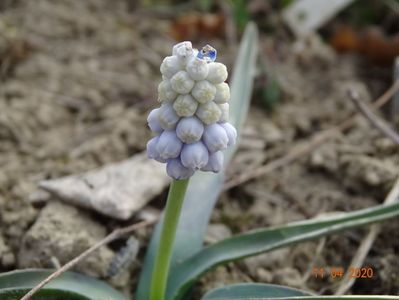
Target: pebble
x: 117, y: 190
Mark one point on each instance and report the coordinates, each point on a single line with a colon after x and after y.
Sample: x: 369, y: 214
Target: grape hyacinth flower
x: 191, y: 125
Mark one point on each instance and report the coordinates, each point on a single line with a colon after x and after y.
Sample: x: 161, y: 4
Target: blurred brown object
x: 13, y: 51
x: 344, y: 39
x: 192, y: 26
x: 371, y: 42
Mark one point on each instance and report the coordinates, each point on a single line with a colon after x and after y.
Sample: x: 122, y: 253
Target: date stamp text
x: 340, y: 272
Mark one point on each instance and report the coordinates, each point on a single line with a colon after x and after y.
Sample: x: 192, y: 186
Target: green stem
x: 174, y: 203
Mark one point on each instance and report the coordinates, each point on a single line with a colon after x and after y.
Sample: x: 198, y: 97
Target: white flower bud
x: 217, y: 72
x: 209, y: 112
x: 197, y: 68
x: 204, y: 91
x: 182, y: 83
x: 165, y: 92
x: 222, y: 93
x: 167, y: 116
x: 185, y: 105
x: 170, y: 66
x: 224, y: 108
x: 182, y: 45
x: 183, y: 51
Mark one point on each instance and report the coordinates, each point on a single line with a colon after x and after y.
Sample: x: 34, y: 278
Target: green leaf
x: 240, y: 13
x: 263, y: 240
x: 70, y: 285
x: 204, y: 188
x: 246, y: 291
x: 252, y: 291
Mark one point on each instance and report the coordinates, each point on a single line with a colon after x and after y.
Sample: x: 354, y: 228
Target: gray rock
x: 7, y: 257
x: 63, y: 232
x: 216, y: 233
x: 289, y: 277
x: 270, y: 260
x: 116, y: 190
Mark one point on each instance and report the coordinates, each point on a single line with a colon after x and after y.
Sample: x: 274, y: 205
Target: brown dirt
x: 77, y: 78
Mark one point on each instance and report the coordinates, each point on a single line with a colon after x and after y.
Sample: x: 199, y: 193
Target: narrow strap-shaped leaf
x: 259, y: 241
x: 258, y: 291
x: 252, y: 291
x: 68, y: 286
x: 204, y: 188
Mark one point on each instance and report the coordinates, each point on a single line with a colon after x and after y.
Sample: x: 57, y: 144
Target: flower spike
x: 191, y: 126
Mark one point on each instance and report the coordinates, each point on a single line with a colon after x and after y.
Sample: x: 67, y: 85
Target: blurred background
x: 79, y: 77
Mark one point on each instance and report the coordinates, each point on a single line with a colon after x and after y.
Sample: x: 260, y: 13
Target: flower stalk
x: 160, y: 272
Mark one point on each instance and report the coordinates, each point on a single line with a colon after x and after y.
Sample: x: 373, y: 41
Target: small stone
x: 8, y: 260
x: 117, y: 190
x: 62, y: 231
x: 264, y: 275
x: 216, y: 233
x: 289, y: 277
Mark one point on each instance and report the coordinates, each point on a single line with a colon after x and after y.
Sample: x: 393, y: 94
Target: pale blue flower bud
x: 231, y: 133
x: 217, y: 73
x: 189, y: 130
x: 215, y: 138
x: 194, y: 156
x: 167, y: 116
x: 215, y: 162
x: 169, y: 145
x: 177, y: 171
x: 153, y: 121
x: 152, y: 151
x: 182, y: 83
x: 170, y: 66
x: 203, y: 91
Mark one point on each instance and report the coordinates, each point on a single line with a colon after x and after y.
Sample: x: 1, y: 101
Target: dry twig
x: 301, y: 150
x: 374, y: 120
x: 366, y: 244
x: 117, y: 233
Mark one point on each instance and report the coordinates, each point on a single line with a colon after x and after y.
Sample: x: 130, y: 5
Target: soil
x: 79, y: 77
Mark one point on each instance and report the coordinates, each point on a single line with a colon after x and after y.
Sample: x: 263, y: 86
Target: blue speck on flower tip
x: 207, y: 53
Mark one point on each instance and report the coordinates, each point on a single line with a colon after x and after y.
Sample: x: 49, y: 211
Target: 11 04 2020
x: 339, y: 272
